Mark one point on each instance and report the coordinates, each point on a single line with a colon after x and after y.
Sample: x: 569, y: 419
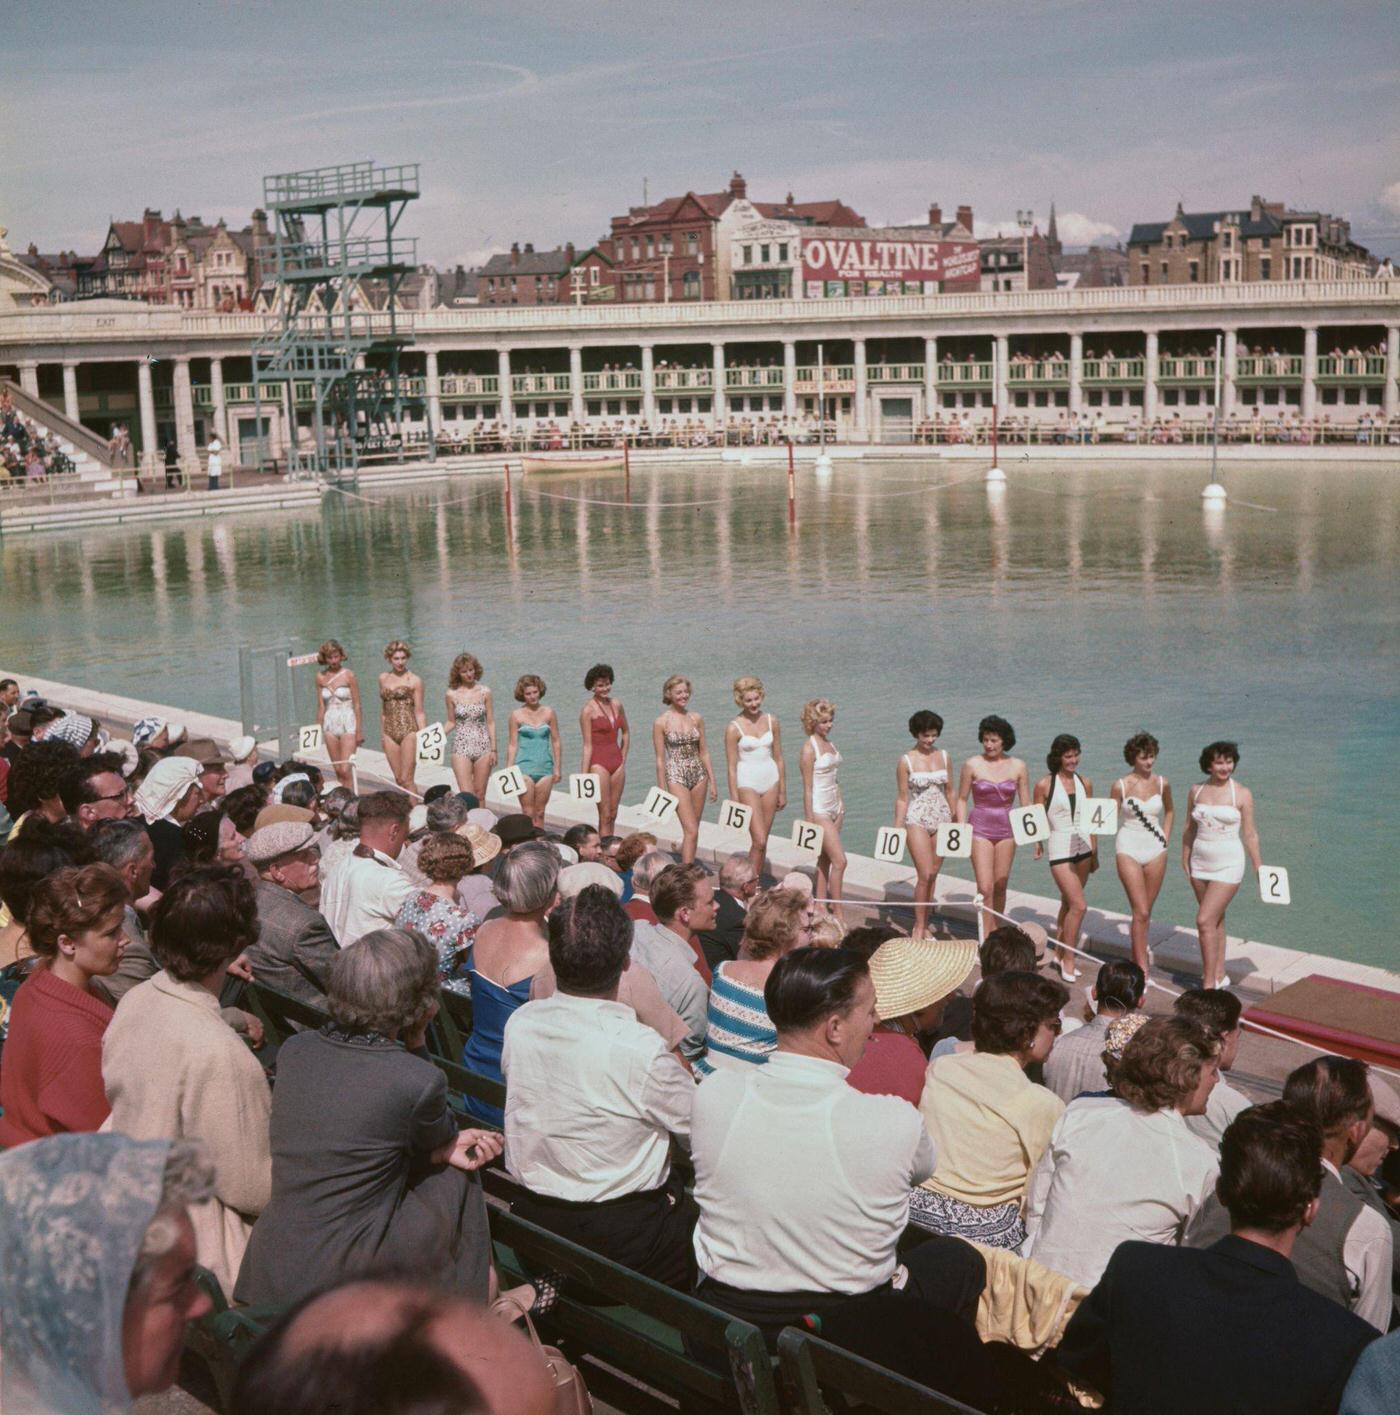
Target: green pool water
x: 1093, y: 599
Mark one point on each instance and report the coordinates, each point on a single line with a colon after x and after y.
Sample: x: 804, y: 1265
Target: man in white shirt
x: 593, y: 1097
x: 1076, y: 1063
x: 367, y: 889
x: 803, y: 1182
x: 1218, y: 1012
x: 683, y: 898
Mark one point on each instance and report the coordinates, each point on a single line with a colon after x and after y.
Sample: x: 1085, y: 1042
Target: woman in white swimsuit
x: 821, y: 797
x: 923, y: 802
x: 753, y: 750
x: 1074, y: 853
x: 1145, y: 814
x: 338, y: 710
x: 1219, y: 835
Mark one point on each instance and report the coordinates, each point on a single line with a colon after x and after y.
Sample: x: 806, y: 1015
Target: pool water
x: 1095, y: 599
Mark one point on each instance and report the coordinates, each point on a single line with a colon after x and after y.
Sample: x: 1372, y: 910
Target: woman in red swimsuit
x: 603, y: 724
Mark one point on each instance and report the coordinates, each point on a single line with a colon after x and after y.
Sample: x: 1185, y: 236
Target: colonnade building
x: 1318, y: 348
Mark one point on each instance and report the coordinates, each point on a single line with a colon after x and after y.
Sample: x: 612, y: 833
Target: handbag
x: 571, y: 1395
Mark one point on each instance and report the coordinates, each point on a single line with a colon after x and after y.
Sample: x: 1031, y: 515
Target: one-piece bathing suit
x: 681, y: 756
x: 826, y: 793
x: 1068, y: 844
x: 534, y: 752
x: 338, y: 720
x: 928, y: 802
x: 990, y: 816
x: 607, y: 751
x: 756, y: 770
x: 1140, y: 835
x: 1217, y: 853
x: 470, y: 738
x: 396, y: 717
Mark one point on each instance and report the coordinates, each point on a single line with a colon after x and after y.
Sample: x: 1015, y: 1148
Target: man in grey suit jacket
x: 295, y: 945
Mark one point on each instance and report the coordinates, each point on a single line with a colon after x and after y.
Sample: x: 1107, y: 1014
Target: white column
x: 1310, y: 372
x: 1227, y: 376
x: 433, y: 385
x: 576, y: 384
x: 719, y: 404
x: 930, y: 377
x: 1076, y: 373
x: 1149, y: 368
x: 790, y: 380
x: 216, y: 380
x: 1391, y: 394
x: 147, y: 399
x: 507, y: 404
x: 648, y: 386
x: 862, y: 391
x: 70, y: 390
x: 184, y: 412
x: 29, y: 377
x: 1003, y: 347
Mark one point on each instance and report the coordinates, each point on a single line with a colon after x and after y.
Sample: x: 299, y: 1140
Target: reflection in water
x: 1087, y: 599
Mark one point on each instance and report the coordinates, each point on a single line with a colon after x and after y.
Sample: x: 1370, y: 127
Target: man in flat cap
x: 295, y: 945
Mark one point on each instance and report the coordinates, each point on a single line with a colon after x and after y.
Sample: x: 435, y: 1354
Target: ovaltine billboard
x: 835, y: 258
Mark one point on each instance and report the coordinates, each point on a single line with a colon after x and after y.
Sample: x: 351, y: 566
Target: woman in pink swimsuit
x: 995, y: 782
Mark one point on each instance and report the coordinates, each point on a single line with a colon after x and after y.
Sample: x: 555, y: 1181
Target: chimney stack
x: 965, y: 217
x: 935, y: 215
x: 738, y: 188
x: 515, y: 252
x: 569, y: 252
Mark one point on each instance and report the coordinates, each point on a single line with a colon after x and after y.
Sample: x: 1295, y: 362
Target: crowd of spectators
x: 705, y: 1081
x: 27, y: 454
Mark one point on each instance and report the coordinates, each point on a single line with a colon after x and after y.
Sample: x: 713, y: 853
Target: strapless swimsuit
x: 338, y: 720
x: 990, y: 817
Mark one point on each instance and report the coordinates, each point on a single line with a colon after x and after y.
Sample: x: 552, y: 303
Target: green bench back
x: 812, y: 1367
x: 222, y: 1338
x: 651, y: 1332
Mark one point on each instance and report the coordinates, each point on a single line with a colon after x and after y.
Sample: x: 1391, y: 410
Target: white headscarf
x: 165, y: 786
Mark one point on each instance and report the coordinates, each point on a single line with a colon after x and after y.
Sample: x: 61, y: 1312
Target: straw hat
x: 485, y: 845
x: 913, y: 973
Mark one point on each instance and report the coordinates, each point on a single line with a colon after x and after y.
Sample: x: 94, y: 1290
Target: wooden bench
x: 221, y: 1338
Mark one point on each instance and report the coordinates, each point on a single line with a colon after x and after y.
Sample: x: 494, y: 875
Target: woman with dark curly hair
x: 35, y: 779
x: 990, y: 784
x: 174, y: 1070
x: 606, y: 737
x: 1125, y: 1166
x: 1074, y: 853
x: 1145, y: 814
x: 369, y: 1168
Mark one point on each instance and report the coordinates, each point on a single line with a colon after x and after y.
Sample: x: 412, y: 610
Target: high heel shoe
x: 1072, y: 977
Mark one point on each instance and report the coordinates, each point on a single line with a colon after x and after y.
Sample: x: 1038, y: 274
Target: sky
x: 539, y: 121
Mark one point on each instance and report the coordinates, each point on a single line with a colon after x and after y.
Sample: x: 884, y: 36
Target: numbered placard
x: 807, y: 835
x: 734, y: 815
x: 660, y: 805
x: 432, y: 745
x: 1098, y: 815
x: 310, y: 737
x: 509, y: 781
x: 889, y: 844
x: 1029, y: 826
x: 583, y: 786
x: 1273, y: 885
x: 953, y: 840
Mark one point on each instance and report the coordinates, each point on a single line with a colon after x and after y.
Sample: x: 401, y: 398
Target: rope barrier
x: 629, y: 505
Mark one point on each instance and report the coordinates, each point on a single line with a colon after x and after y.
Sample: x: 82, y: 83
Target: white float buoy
x: 1214, y: 492
x: 823, y: 462
x: 995, y: 476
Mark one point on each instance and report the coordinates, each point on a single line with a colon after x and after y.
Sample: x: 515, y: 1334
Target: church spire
x: 1052, y: 234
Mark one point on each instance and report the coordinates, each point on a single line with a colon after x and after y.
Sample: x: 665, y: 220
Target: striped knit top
x: 738, y: 1031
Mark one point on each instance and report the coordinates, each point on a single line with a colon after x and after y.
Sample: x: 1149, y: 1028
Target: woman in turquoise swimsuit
x: 534, y: 745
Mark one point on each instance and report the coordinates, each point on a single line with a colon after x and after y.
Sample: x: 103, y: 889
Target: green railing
x: 684, y: 380
x: 470, y: 385
x: 895, y: 373
x: 527, y: 383
x: 1114, y: 370
x: 962, y: 374
x: 1358, y: 368
x: 739, y: 376
x: 833, y: 373
x: 1269, y: 368
x: 613, y: 381
x: 1186, y: 370
x: 1045, y: 374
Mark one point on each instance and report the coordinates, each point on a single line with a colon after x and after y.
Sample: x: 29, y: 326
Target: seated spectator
x: 475, y: 890
x: 803, y: 1182
x: 1346, y: 1253
x: 1127, y: 1168
x: 243, y: 756
x: 368, y: 888
x: 738, y: 883
x: 368, y: 1166
x: 1076, y: 1064
x: 51, y: 1081
x: 989, y: 1122
x: 1364, y: 1176
x: 34, y: 852
x: 243, y: 806
x: 1219, y: 1013
x: 211, y: 838
x: 95, y: 789
x: 506, y: 955
x: 444, y: 861
x: 1374, y: 1379
x: 684, y: 902
x: 584, y: 841
x: 213, y: 766
x: 628, y: 854
x: 593, y: 1097
x: 173, y: 1069
x: 739, y: 1031
x: 1007, y: 949
x: 638, y: 877
x: 383, y: 1347
x: 36, y: 780
x: 294, y: 948
x: 97, y: 1284
x: 1229, y: 1328
x: 441, y: 816
x: 166, y: 799
x: 913, y: 979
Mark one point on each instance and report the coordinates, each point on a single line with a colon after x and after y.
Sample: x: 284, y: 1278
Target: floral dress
x: 450, y: 929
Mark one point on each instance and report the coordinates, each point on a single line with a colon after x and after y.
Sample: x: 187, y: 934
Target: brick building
x: 525, y: 276
x: 1265, y: 241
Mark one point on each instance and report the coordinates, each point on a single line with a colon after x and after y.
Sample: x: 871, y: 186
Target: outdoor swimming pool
x: 1096, y: 599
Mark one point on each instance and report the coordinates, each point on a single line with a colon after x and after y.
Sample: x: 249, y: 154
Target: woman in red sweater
x: 51, y: 1079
